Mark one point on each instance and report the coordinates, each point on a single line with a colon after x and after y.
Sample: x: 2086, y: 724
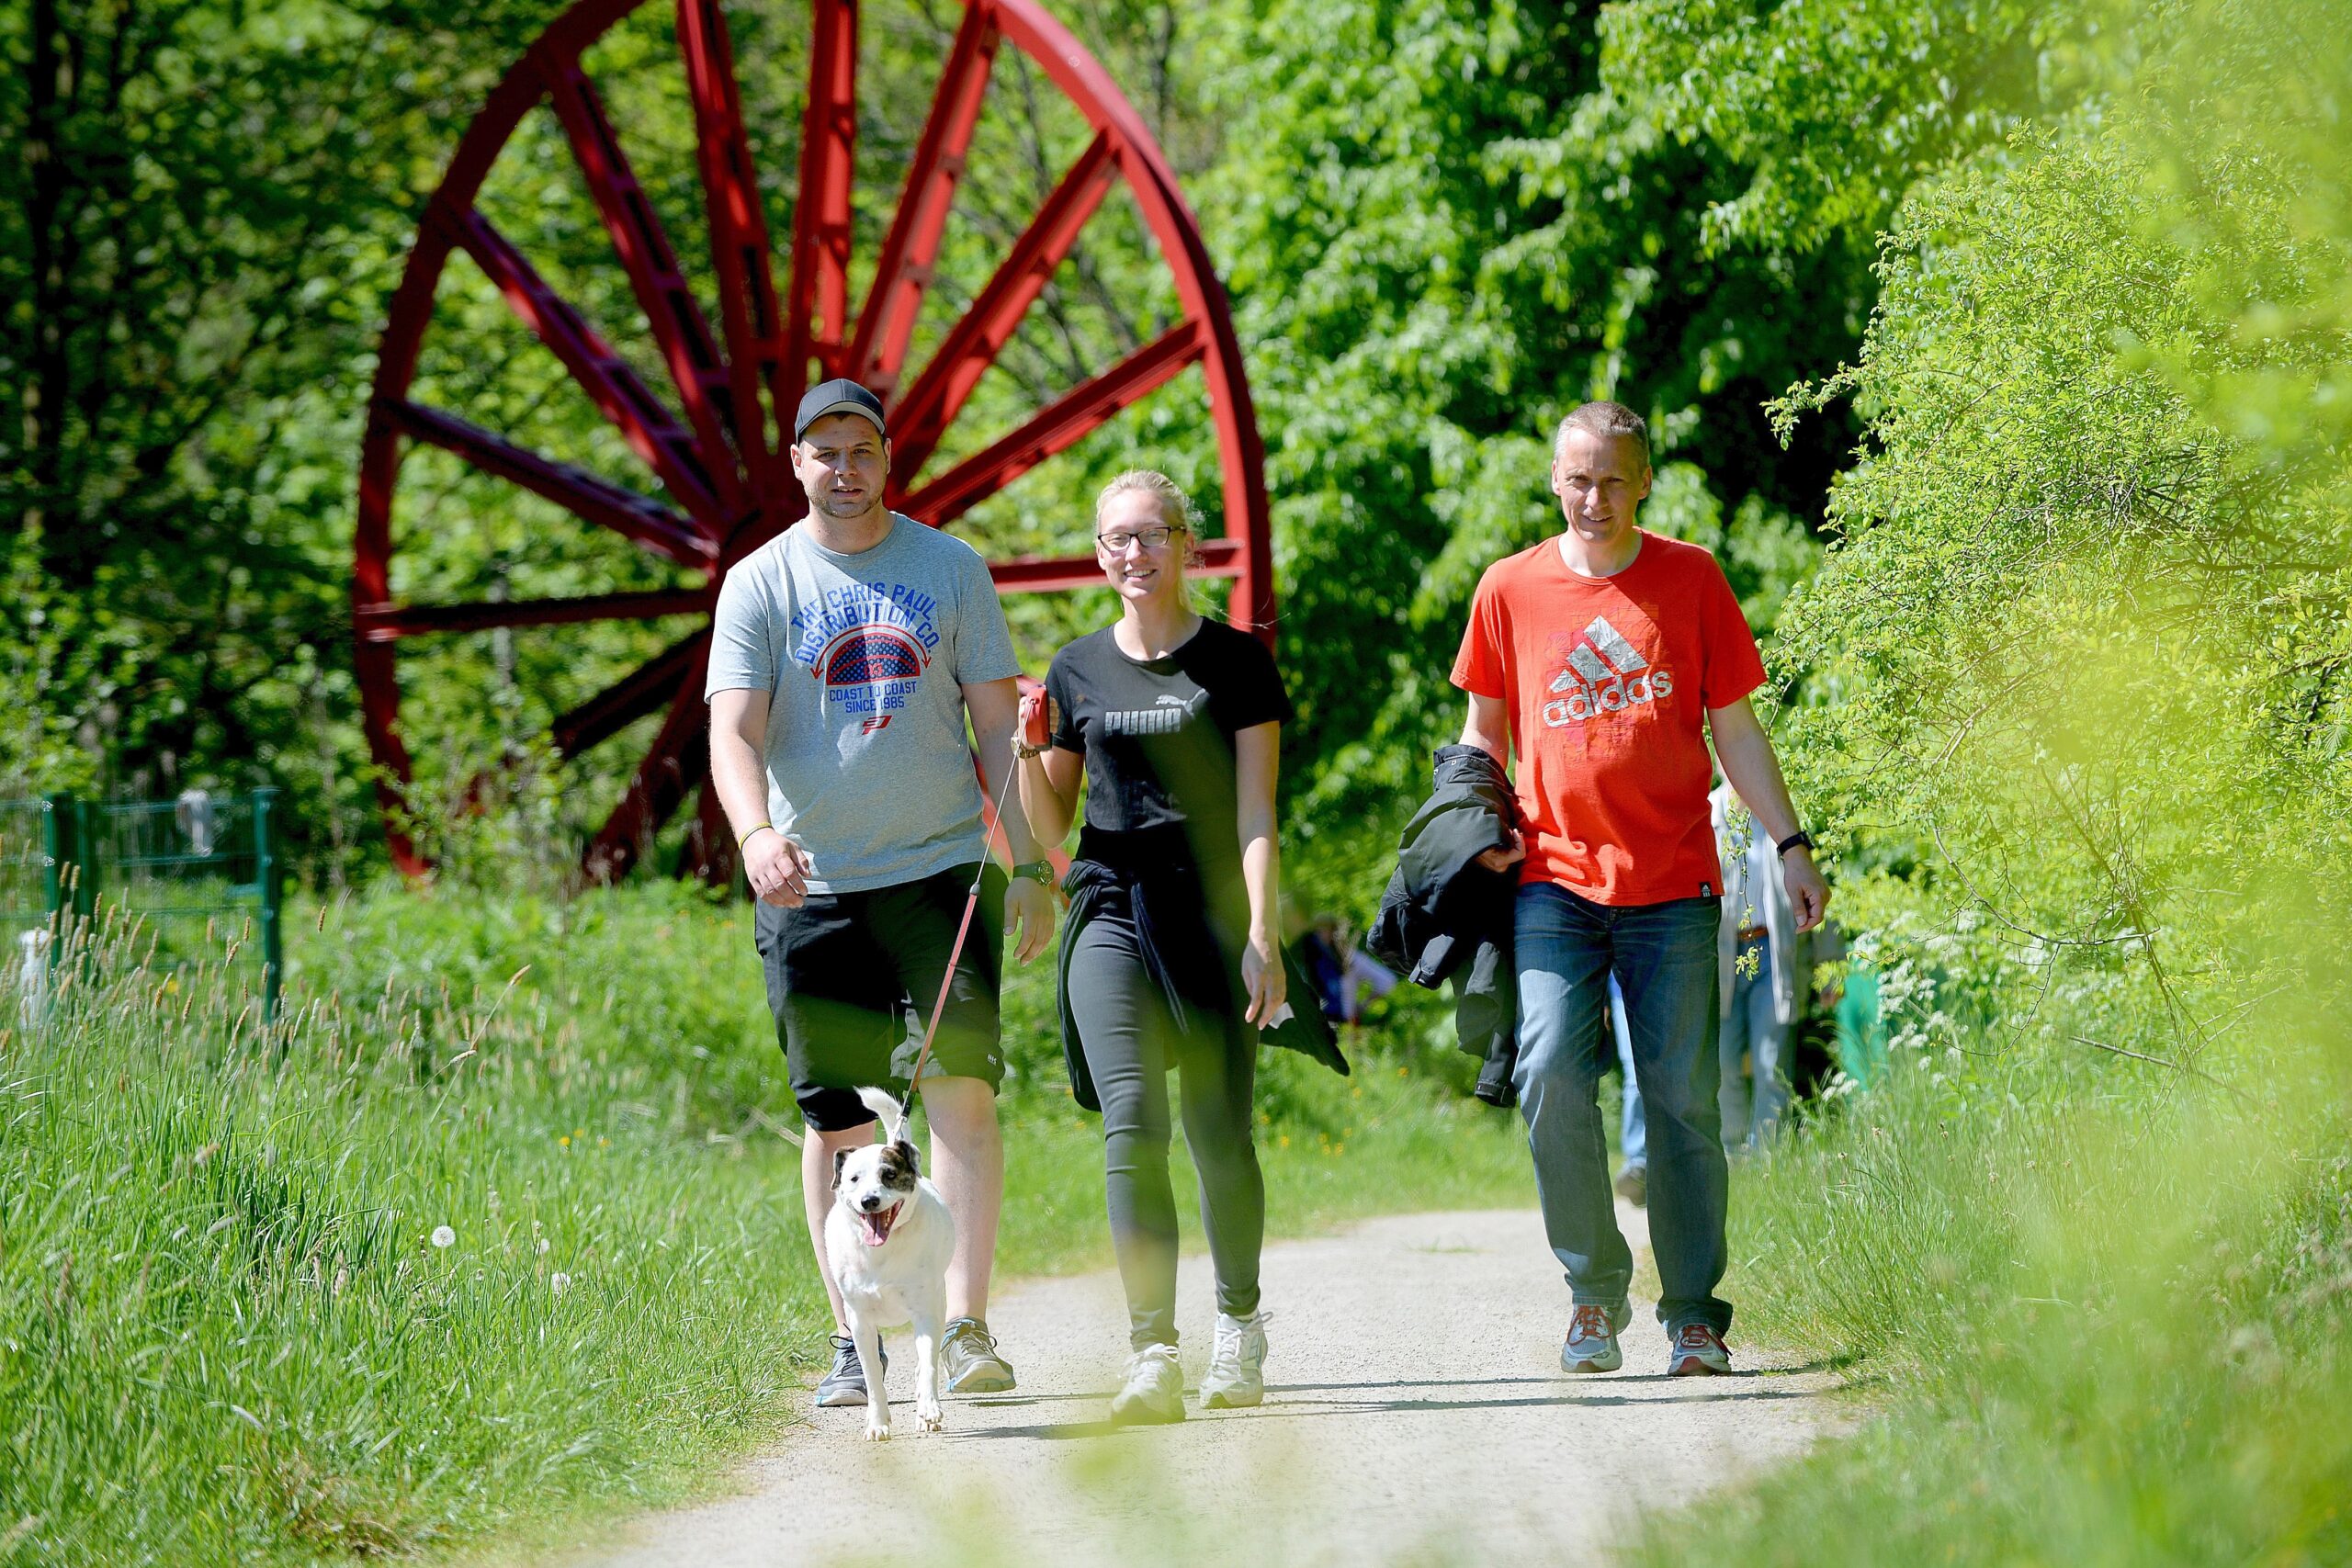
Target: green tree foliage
x: 2087, y: 632
x: 193, y: 243
x: 1447, y: 225
x: 1836, y: 111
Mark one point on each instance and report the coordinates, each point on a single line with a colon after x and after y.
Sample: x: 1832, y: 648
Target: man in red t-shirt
x: 1604, y: 658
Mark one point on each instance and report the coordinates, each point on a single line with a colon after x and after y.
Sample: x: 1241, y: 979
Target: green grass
x: 2102, y: 1317
x: 226, y: 1333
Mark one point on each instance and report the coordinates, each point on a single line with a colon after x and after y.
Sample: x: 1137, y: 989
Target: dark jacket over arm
x: 1446, y: 918
x: 1192, y: 921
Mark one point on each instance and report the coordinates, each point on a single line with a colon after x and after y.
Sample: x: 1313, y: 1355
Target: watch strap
x: 1793, y: 841
x: 1038, y: 871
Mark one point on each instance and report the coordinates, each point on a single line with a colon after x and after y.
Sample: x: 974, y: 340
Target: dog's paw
x: 927, y: 1416
x: 877, y: 1431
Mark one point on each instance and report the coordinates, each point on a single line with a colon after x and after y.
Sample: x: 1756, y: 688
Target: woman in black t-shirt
x: 1168, y: 958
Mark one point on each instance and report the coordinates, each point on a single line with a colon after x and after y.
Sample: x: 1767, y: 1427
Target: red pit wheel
x: 720, y: 459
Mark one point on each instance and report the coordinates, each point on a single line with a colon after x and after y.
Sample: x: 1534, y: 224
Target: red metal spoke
x: 739, y: 235
x: 385, y: 623
x: 1057, y: 427
x: 720, y: 503
x: 931, y: 404
x: 1039, y: 574
x: 379, y: 708
x: 665, y: 444
x: 1030, y: 27
x: 908, y: 253
x: 629, y: 699
x: 816, y: 315
x: 711, y: 850
x: 645, y: 252
x: 578, y: 492
x: 675, y: 763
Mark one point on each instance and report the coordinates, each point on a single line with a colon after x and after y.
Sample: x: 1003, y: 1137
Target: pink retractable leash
x: 963, y: 930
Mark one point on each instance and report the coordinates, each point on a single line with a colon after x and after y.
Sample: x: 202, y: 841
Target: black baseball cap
x: 838, y: 396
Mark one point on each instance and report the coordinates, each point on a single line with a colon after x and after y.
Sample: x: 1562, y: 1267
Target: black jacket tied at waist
x: 1191, y: 924
x: 1447, y: 918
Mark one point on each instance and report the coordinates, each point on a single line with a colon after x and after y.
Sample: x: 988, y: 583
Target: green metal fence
x: 198, y: 872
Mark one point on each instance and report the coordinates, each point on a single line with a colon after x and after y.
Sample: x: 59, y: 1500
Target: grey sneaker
x: 845, y: 1384
x: 1154, y: 1394
x: 1698, y: 1352
x: 1591, y: 1344
x: 968, y: 1362
x: 1236, y: 1374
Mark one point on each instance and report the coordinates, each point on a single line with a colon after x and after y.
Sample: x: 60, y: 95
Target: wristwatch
x: 1793, y: 841
x: 1040, y: 872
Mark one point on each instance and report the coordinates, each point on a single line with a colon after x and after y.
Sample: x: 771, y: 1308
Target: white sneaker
x: 1236, y: 1374
x: 1154, y: 1394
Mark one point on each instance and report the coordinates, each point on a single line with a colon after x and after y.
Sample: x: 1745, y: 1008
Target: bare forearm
x: 1262, y: 875
x: 1488, y: 729
x: 996, y: 762
x: 1050, y: 811
x: 740, y: 773
x: 1257, y: 765
x: 1746, y: 753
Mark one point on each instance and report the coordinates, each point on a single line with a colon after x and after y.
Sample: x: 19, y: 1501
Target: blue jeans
x: 1633, y: 1132
x: 1663, y: 958
x: 1751, y: 1116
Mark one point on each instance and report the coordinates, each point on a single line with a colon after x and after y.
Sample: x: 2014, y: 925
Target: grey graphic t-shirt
x: 862, y: 658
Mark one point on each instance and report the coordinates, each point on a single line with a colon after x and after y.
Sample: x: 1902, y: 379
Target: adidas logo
x: 1605, y: 674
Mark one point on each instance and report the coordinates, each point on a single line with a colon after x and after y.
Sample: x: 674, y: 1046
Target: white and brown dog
x: 889, y: 1239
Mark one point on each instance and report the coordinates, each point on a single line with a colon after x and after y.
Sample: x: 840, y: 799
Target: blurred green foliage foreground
x: 2069, y: 695
x: 2084, y: 644
x: 499, y: 1223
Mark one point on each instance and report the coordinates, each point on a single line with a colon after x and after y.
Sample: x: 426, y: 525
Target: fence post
x: 59, y: 817
x: 273, y: 951
x: 86, y: 862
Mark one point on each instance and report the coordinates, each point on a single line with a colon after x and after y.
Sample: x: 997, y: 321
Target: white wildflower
x: 443, y: 1237
x: 557, y: 1282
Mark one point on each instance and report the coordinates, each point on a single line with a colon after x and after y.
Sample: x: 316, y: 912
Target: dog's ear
x: 905, y: 1149
x: 841, y: 1158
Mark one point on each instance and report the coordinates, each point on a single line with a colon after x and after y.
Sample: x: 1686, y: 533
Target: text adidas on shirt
x: 1605, y: 673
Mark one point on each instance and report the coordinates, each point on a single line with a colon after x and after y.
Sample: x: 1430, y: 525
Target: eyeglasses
x: 1149, y: 538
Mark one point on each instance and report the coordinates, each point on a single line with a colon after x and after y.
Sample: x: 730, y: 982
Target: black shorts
x: 852, y: 979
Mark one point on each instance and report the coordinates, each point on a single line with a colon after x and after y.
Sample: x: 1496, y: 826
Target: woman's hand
x: 1263, y: 977
x: 1032, y: 736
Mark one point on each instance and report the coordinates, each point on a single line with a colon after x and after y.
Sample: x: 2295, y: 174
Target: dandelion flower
x: 443, y: 1237
x: 543, y: 1246
x: 556, y: 1282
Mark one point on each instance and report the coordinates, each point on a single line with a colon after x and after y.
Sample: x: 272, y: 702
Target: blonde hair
x: 1176, y: 509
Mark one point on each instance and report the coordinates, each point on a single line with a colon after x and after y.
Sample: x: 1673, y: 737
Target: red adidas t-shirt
x: 1607, y: 681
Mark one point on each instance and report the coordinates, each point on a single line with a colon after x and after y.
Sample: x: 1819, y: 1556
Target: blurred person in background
x: 1765, y: 968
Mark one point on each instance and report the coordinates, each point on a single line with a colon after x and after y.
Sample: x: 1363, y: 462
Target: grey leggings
x: 1130, y: 1041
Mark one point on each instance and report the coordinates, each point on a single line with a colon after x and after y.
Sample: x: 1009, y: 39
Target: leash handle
x: 956, y: 953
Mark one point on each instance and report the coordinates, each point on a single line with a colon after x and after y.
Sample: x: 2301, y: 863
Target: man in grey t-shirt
x: 846, y: 656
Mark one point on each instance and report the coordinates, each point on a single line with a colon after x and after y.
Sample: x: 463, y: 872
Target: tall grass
x: 2106, y: 1311
x: 499, y: 1223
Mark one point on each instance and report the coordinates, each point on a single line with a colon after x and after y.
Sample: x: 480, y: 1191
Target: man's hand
x: 778, y: 869
x: 1264, y: 978
x: 1029, y: 909
x: 1808, y: 894
x: 1507, y: 856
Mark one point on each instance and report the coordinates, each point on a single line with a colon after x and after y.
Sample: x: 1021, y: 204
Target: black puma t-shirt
x: 1158, y: 734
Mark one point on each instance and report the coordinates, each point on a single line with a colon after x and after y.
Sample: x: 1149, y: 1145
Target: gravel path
x: 1415, y: 1415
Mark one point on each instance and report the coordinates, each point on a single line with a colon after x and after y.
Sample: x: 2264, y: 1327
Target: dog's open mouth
x: 874, y: 1229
